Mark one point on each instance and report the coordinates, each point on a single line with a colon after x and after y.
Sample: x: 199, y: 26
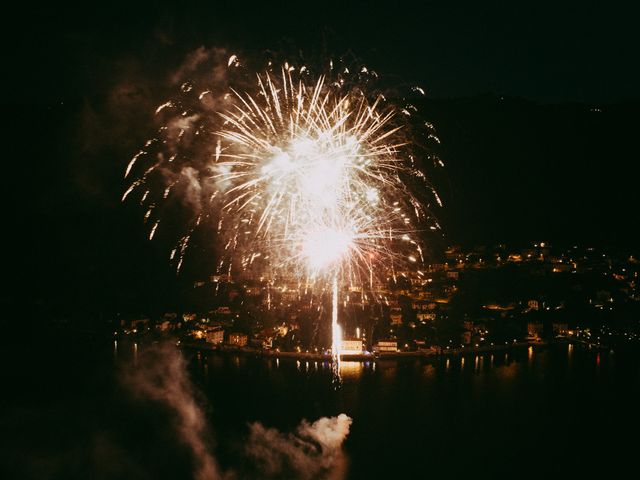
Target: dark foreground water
x: 67, y: 413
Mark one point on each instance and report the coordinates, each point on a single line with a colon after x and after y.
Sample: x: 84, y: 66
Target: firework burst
x: 307, y: 178
x: 314, y: 172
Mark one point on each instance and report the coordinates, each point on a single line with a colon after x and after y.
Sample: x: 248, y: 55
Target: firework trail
x: 308, y: 178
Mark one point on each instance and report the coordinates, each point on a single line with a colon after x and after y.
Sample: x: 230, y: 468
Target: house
x: 396, y: 316
x: 560, y: 329
x: 214, y: 335
x: 189, y: 317
x: 426, y: 317
x: 134, y: 326
x: 238, y: 339
x: 535, y: 330
x: 351, y: 346
x: 164, y: 326
x: 386, y: 346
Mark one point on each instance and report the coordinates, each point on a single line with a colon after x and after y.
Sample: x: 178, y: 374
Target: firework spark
x: 313, y: 173
x: 306, y: 178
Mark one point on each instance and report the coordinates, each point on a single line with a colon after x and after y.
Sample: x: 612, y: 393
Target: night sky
x: 536, y: 105
x: 548, y: 51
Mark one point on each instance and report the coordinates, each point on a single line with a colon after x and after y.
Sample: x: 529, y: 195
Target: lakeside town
x: 478, y: 299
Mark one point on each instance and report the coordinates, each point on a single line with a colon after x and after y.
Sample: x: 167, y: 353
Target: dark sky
x: 526, y: 155
x: 551, y: 51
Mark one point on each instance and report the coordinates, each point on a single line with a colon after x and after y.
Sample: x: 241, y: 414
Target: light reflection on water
x: 350, y: 370
x: 502, y: 365
x: 416, y: 408
x: 570, y: 356
x: 429, y: 370
x: 507, y: 371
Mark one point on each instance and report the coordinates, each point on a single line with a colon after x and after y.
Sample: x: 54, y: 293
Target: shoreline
x: 371, y: 357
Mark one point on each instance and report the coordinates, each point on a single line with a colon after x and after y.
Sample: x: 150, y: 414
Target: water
x: 557, y: 410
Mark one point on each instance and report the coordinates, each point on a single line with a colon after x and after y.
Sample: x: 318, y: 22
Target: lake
x: 86, y: 411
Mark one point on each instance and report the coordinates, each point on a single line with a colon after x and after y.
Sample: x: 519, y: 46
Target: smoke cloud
x: 205, y: 64
x: 312, y: 452
x: 161, y: 376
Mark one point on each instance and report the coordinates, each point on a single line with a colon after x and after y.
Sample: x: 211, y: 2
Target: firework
x: 305, y: 177
x: 313, y: 173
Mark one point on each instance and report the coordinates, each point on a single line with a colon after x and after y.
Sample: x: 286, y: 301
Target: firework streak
x: 308, y: 178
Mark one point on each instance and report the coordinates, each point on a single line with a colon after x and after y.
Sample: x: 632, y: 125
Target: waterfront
x: 561, y: 409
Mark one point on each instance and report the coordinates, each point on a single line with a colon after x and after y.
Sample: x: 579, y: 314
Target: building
x: 214, y: 335
x: 224, y: 278
x: 387, y: 346
x: 560, y: 329
x: 426, y: 317
x: 351, y: 346
x: 164, y: 326
x: 137, y: 325
x: 238, y: 339
x: 419, y: 306
x: 533, y: 304
x: 264, y: 338
x: 535, y: 330
x: 396, y: 316
x: 189, y: 317
x: 453, y: 275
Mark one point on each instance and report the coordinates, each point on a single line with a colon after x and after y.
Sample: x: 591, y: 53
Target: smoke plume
x: 162, y: 377
x: 312, y: 452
